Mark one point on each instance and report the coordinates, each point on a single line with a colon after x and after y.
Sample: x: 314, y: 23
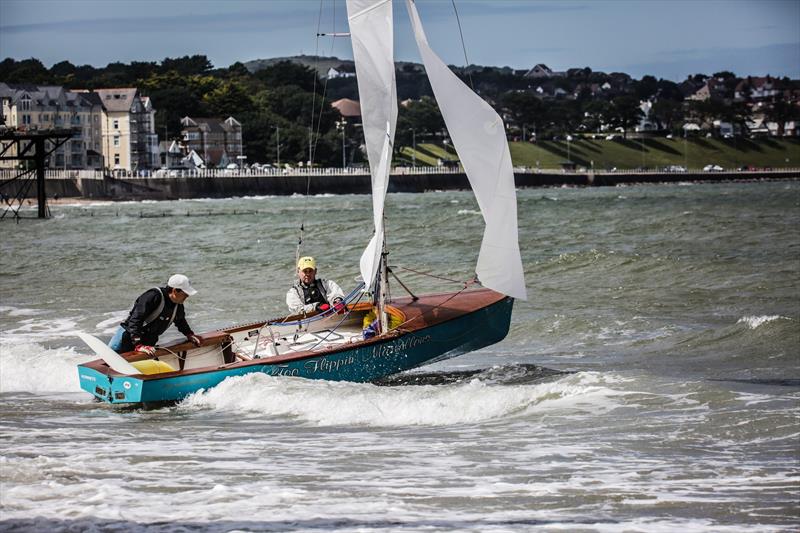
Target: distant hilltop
x: 323, y: 65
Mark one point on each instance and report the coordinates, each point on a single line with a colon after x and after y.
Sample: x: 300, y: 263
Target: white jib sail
x: 479, y: 137
x: 372, y: 36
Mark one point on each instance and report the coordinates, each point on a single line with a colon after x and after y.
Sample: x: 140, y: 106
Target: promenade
x: 218, y: 183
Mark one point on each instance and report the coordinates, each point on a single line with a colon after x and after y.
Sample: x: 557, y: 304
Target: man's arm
x: 181, y: 323
x: 334, y: 293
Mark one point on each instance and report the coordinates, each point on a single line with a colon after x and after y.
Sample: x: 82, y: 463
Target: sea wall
x: 170, y: 188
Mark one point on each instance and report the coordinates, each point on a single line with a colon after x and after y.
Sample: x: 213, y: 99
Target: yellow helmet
x: 306, y: 262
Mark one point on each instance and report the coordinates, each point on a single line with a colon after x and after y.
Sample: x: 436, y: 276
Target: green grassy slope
x: 653, y: 153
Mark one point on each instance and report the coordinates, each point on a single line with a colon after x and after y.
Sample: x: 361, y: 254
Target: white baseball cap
x: 179, y: 281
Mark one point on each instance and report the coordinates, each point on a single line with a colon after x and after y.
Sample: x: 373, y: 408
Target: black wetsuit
x: 146, y: 304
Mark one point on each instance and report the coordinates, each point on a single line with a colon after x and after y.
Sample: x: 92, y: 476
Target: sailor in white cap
x: 153, y: 312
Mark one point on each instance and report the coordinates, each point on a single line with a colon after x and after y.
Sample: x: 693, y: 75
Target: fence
x: 6, y: 174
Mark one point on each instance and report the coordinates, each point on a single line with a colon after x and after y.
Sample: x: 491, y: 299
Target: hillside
x: 694, y: 153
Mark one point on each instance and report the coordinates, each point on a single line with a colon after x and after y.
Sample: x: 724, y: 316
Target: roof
x: 347, y: 107
x: 211, y: 124
x: 117, y: 99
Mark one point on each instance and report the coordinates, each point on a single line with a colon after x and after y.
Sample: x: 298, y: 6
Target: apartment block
x: 112, y: 128
x: 217, y: 141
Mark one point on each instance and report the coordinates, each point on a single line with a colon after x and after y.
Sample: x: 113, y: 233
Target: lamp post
x: 341, y: 126
x: 569, y: 139
x: 278, y: 144
x: 413, y: 148
x: 310, y: 142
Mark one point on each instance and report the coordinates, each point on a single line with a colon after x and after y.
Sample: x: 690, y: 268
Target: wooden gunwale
x: 471, y: 301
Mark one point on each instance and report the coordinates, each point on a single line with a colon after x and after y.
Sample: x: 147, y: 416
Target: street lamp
x: 278, y: 144
x: 569, y: 139
x: 341, y: 126
x: 413, y: 148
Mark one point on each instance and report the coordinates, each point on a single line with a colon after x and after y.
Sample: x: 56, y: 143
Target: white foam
x: 110, y: 325
x: 16, y: 311
x: 36, y: 330
x: 754, y: 321
x: 31, y: 367
x: 327, y: 403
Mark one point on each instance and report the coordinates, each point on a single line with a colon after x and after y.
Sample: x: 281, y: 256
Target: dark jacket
x: 144, y: 306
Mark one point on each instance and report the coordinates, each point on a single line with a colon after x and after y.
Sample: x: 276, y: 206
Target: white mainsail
x: 372, y: 36
x: 479, y: 137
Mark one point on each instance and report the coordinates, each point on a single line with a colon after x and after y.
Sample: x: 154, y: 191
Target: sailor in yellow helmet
x: 310, y: 293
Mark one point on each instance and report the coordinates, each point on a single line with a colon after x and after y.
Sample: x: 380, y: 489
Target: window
x: 26, y: 119
x: 116, y: 159
x: 116, y: 123
x: 116, y: 140
x: 26, y: 103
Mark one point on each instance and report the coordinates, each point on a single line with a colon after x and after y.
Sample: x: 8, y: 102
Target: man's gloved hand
x: 340, y: 308
x: 323, y: 307
x: 149, y: 350
x: 194, y: 339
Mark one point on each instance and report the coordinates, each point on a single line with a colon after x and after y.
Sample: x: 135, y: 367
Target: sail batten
x: 479, y: 137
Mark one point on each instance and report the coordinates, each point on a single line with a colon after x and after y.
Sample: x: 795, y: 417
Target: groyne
x: 101, y: 186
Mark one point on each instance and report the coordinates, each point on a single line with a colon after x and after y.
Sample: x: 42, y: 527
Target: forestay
x: 372, y: 35
x: 479, y: 137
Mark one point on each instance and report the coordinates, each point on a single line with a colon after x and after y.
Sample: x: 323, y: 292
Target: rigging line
x: 333, y: 330
x: 431, y: 275
x: 463, y: 46
x: 312, y: 142
x: 325, y: 86
x: 437, y: 306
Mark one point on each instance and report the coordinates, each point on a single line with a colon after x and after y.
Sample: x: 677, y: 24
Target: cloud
x: 776, y: 59
x: 256, y: 21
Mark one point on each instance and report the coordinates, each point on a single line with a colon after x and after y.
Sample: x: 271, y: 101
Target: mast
x: 383, y: 288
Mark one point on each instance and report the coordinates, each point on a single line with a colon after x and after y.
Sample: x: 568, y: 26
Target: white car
x: 712, y: 168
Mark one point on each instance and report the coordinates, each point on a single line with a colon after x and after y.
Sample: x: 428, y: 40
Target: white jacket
x: 294, y: 296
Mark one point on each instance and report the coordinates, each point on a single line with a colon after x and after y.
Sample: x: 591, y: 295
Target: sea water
x: 649, y: 383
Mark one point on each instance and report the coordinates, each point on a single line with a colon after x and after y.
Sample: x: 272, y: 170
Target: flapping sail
x: 372, y: 36
x: 479, y: 137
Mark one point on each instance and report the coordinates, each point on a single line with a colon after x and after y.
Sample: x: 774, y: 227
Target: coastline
x: 81, y: 190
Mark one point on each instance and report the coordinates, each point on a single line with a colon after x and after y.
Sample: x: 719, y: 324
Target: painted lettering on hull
x: 393, y: 350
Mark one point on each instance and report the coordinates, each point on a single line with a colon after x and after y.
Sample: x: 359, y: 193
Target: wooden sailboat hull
x: 436, y: 327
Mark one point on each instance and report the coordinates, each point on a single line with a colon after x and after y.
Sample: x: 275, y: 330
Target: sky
x: 669, y: 39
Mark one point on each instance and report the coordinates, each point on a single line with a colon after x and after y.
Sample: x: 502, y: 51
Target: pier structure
x: 31, y: 149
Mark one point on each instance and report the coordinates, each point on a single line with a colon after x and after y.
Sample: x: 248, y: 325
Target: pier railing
x: 337, y: 171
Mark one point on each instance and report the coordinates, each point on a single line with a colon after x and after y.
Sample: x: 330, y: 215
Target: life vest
x: 149, y: 319
x: 313, y: 294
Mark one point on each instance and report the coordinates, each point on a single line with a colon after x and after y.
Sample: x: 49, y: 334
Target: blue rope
x: 347, y: 299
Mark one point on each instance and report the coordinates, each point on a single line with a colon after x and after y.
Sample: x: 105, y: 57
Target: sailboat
x: 412, y: 330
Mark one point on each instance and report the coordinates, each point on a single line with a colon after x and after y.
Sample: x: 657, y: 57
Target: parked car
x: 712, y: 168
x: 676, y: 168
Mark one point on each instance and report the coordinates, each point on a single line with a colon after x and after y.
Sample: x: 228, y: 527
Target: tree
x: 522, y: 108
x: 285, y: 73
x: 187, y: 65
x: 625, y: 112
x: 596, y: 113
x: 25, y: 71
x: 228, y: 99
x: 668, y: 113
x: 646, y: 88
